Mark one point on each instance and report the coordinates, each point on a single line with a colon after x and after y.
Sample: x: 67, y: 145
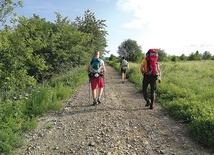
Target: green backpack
x: 96, y: 68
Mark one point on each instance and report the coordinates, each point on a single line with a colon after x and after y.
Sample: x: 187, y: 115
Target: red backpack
x: 152, y: 61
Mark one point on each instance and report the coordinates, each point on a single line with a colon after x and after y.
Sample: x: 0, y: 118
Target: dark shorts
x: 123, y: 70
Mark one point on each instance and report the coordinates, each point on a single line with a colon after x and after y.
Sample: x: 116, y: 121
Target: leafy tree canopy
x: 161, y: 55
x: 7, y: 8
x: 96, y: 28
x: 131, y: 50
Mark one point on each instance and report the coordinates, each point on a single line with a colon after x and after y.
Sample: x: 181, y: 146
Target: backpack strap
x: 149, y: 66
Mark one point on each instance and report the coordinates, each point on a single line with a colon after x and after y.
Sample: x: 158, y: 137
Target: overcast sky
x: 176, y: 26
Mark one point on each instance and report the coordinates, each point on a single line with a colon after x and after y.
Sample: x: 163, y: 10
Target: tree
x: 96, y: 28
x: 183, y: 57
x: 7, y: 8
x: 174, y: 58
x: 60, y: 21
x: 54, y: 47
x: 162, y: 56
x: 112, y: 58
x: 195, y: 56
x: 131, y: 50
x: 13, y: 70
x: 206, y: 55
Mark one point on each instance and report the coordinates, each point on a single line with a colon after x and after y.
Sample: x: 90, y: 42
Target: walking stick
x: 89, y: 91
x: 104, y: 88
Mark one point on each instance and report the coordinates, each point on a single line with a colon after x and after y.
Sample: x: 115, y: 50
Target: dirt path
x: 119, y: 126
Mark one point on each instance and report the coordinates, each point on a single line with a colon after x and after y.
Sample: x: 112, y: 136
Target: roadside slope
x: 120, y: 125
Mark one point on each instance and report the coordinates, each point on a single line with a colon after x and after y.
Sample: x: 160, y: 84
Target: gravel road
x: 120, y: 125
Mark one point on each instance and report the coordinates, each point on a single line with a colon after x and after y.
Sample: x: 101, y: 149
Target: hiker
x: 151, y: 73
x: 96, y: 70
x: 124, y: 65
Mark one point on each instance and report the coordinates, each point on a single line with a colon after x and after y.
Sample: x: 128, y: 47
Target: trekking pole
x: 89, y: 91
x: 104, y: 89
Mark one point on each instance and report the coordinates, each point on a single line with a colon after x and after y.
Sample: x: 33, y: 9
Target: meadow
x: 187, y: 93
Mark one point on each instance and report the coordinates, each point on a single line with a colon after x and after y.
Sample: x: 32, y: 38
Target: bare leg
x: 94, y: 94
x: 123, y: 77
x: 100, y: 92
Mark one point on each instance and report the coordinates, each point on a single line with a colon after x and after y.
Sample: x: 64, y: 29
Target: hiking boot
x: 98, y: 100
x: 151, y: 106
x: 94, y: 103
x: 147, y: 103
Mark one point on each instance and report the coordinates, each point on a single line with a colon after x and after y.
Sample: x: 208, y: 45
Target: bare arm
x: 159, y: 77
x: 104, y: 68
x: 142, y: 69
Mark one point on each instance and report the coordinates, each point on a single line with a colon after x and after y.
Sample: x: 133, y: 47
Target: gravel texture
x: 120, y: 125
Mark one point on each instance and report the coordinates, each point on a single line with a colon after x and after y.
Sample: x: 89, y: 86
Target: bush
x: 18, y: 116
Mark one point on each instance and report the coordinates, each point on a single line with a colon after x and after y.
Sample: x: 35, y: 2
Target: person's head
x: 123, y: 57
x: 97, y: 54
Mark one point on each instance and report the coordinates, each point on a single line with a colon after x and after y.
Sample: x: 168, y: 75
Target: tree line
x: 133, y: 52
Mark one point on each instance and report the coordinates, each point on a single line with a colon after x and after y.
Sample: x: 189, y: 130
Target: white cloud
x: 174, y: 25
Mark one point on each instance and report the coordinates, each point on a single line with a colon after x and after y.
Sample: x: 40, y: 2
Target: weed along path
x: 120, y: 125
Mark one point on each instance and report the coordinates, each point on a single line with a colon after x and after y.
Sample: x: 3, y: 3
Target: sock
x: 99, y: 97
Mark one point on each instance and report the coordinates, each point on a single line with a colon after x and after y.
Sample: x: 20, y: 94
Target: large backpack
x: 95, y: 64
x: 124, y: 64
x: 152, y: 62
x: 96, y: 67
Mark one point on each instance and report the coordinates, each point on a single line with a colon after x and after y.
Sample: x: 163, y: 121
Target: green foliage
x: 13, y: 72
x: 21, y: 115
x: 95, y: 28
x: 112, y: 57
x: 39, y: 103
x: 47, y: 98
x: 162, y: 56
x: 134, y: 75
x: 36, y: 50
x: 202, y: 130
x: 33, y: 55
x: 195, y: 56
x: 183, y: 57
x: 7, y: 8
x: 49, y: 125
x: 11, y: 125
x: 186, y: 92
x: 9, y: 140
x: 131, y: 50
x: 207, y: 55
x: 113, y: 61
x: 53, y: 48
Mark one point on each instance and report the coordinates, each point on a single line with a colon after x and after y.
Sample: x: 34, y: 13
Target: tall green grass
x: 20, y: 116
x: 186, y: 92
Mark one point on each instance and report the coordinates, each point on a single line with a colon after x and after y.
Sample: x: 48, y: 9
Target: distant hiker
x: 151, y: 73
x: 124, y: 65
x: 96, y: 71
